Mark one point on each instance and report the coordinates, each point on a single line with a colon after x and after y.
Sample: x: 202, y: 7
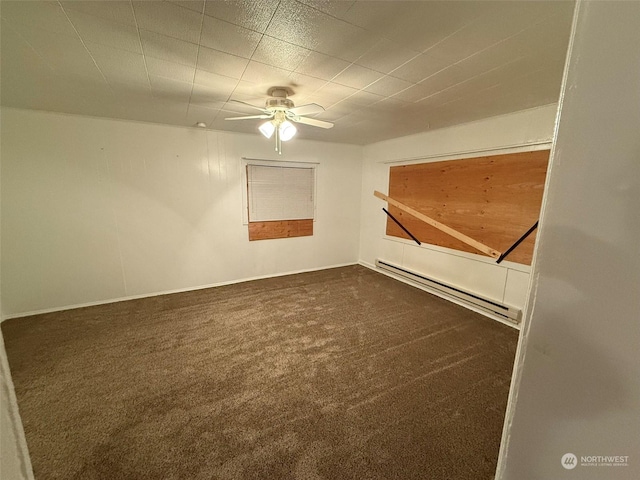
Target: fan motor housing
x: 279, y: 104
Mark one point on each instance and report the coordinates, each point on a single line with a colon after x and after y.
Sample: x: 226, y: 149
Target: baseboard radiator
x: 506, y: 312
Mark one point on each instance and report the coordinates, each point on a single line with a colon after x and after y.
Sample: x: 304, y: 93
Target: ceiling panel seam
x: 195, y: 70
x: 85, y: 47
x: 144, y: 56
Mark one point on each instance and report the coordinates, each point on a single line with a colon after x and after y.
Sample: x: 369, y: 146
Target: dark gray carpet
x: 337, y: 374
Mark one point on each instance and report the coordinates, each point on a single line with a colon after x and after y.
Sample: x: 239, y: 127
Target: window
x: 280, y: 199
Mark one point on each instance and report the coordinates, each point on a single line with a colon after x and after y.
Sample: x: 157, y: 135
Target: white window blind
x: 280, y: 193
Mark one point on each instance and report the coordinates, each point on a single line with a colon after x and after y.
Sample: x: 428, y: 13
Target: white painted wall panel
x: 95, y: 210
x: 14, y: 454
x: 575, y: 387
x: 516, y: 287
x: 477, y: 273
x: 392, y: 251
x: 58, y: 225
x: 474, y: 276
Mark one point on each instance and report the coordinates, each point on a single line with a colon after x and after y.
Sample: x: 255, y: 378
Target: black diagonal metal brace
x: 402, y: 226
x: 518, y: 242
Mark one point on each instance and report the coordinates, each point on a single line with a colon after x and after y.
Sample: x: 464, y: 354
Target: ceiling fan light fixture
x: 287, y: 130
x: 282, y: 114
x: 267, y: 129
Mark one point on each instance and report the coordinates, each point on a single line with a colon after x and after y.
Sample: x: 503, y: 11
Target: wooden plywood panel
x: 280, y: 229
x: 492, y: 199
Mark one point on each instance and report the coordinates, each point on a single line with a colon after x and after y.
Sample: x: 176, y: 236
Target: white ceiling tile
x: 544, y: 38
x: 385, y: 56
x: 279, y: 53
x: 296, y: 23
x: 229, y: 38
x: 24, y: 73
x: 501, y: 99
x: 415, y: 93
x: 336, y: 112
x: 265, y: 75
x: 305, y: 26
x: 174, y: 71
x: 528, y: 13
x: 364, y: 98
x: 489, y: 59
x: 321, y: 66
x: 334, y: 8
x: 216, y: 83
x: 222, y: 63
x: 423, y: 66
x: 542, y: 84
x: 477, y: 59
x: 195, y: 5
x: 169, y: 19
x: 504, y: 20
x: 248, y: 14
x: 167, y: 48
x: 357, y: 77
x: 344, y: 40
x: 16, y: 49
x: 65, y: 54
x: 124, y: 91
x: 171, y: 90
x: 119, y: 65
x: 352, y: 117
x: 47, y: 16
x: 477, y: 84
x: 388, y: 106
x: 208, y: 97
x: 115, y: 11
x: 416, y: 25
x: 332, y: 93
x: 507, y: 58
x: 345, y: 108
x: 304, y: 84
x: 250, y: 92
x: 444, y: 79
x: 373, y: 15
x: 388, y: 86
x: 105, y: 32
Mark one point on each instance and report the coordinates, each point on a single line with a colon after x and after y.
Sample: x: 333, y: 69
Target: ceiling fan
x: 280, y: 111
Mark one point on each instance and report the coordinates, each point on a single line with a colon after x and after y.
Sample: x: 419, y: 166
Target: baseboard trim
x: 439, y: 294
x: 169, y: 292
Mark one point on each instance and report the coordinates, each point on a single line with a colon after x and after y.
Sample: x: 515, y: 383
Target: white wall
x: 576, y: 387
x: 506, y: 282
x: 96, y: 210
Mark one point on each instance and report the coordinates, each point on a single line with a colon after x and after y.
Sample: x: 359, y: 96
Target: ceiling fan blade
x: 249, y: 117
x: 248, y: 105
x: 312, y: 121
x: 308, y: 109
